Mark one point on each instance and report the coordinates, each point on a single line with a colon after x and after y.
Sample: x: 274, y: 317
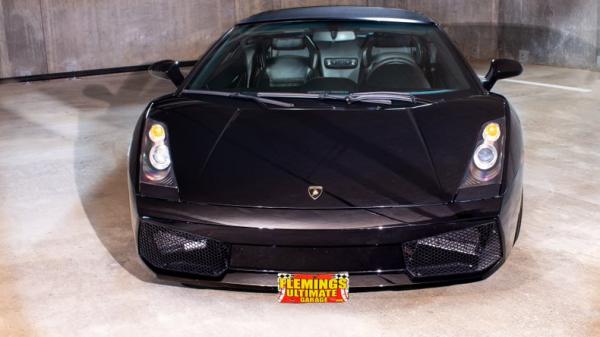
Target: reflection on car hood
x: 252, y: 156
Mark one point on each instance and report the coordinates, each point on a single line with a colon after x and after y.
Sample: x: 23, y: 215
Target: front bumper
x: 467, y: 247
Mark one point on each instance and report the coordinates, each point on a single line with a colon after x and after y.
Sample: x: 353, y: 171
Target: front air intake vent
x: 466, y: 251
x: 177, y: 251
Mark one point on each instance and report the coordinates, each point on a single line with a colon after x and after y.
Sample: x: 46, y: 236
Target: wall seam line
x: 43, y: 24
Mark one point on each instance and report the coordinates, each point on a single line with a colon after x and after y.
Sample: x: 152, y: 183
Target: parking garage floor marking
x: 553, y: 86
x: 545, y: 85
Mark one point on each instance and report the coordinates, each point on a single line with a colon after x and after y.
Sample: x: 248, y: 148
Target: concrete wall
x: 22, y: 45
x: 555, y: 32
x: 49, y: 36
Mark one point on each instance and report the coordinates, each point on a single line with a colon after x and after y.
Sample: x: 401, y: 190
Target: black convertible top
x: 339, y: 13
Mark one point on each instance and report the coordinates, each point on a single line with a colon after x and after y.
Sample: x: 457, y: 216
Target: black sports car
x: 328, y: 139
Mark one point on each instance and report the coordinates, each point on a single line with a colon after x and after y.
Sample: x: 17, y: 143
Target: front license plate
x: 313, y: 288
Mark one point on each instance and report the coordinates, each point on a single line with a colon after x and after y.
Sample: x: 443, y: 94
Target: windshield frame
x: 474, y: 82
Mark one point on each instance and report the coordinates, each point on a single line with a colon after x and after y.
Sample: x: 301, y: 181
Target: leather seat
x: 290, y: 62
x: 391, y: 62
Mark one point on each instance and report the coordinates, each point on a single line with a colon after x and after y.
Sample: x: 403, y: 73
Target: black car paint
x: 247, y: 155
x: 338, y: 13
x: 210, y: 204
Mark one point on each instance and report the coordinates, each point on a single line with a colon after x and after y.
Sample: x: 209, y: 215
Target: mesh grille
x: 465, y: 251
x: 182, y: 252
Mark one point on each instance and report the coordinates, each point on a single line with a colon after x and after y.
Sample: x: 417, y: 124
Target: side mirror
x: 500, y: 69
x: 167, y: 69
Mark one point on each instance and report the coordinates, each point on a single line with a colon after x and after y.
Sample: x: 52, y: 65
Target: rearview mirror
x: 500, y: 69
x: 167, y: 69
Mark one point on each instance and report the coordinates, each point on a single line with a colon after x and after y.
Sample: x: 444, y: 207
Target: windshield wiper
x: 388, y: 95
x: 240, y: 96
x: 380, y: 97
x: 347, y: 98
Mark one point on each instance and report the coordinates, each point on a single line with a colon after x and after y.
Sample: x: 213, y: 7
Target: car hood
x: 254, y: 156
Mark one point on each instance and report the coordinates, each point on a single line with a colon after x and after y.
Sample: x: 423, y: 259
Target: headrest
x: 391, y: 41
x: 402, y: 44
x: 288, y: 43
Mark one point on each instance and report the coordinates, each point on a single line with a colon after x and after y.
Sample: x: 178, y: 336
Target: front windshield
x: 336, y: 57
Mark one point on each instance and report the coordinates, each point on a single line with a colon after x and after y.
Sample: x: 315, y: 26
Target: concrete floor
x: 68, y: 267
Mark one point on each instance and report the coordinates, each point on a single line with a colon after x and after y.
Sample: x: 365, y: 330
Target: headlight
x: 492, y: 132
x: 485, y: 156
x: 157, y: 177
x: 157, y: 133
x: 159, y: 156
x: 485, y: 167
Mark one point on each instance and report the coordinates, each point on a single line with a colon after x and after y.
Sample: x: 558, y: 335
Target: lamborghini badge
x: 315, y: 192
